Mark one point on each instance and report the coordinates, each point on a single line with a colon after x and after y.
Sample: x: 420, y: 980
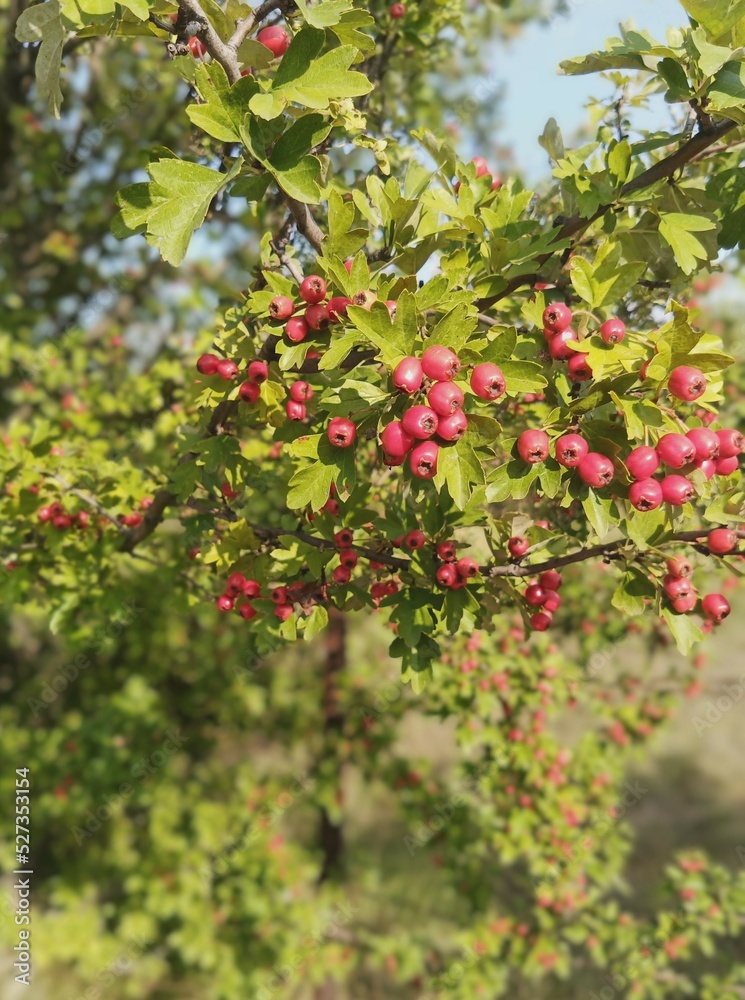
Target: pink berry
x: 731, y: 443
x: 558, y: 345
x: 249, y: 392
x: 341, y: 432
x: 677, y: 586
x: 643, y: 462
x: 420, y: 422
x: 337, y: 308
x: 716, y: 607
x: 408, y: 375
x: 395, y: 441
x: 721, y: 541
x: 645, y: 494
x: 227, y: 369
x: 613, y: 331
x: 440, y: 363
x: 317, y: 317
x: 225, y: 603
x: 532, y: 446
x: 487, y: 381
x: 281, y: 307
x: 445, y: 398
x: 207, y: 364
x: 686, y: 383
x: 283, y: 612
x: 452, y: 428
x: 301, y: 392
x: 570, y: 449
x: 313, y: 289
x: 295, y: 411
x: 276, y: 40
x: 423, y: 459
x: 676, y: 450
x: 596, y: 470
x: 557, y: 317
x: 676, y: 490
x: 467, y: 567
x: 726, y: 466
x: 679, y: 566
x: 258, y: 371
x: 447, y: 575
x: 682, y: 605
x: 708, y: 467
x: 578, y: 368
x: 518, y: 545
x: 705, y: 442
x: 296, y: 329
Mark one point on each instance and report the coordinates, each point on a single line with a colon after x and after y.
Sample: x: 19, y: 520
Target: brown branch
x: 306, y: 224
x: 246, y: 26
x: 217, y: 48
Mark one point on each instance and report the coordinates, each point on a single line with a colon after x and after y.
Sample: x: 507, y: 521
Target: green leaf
x: 599, y: 511
x: 522, y: 376
x: 632, y: 591
x: 375, y: 325
x: 223, y: 107
x: 325, y: 14
x: 310, y: 485
x: 459, y: 469
x: 677, y: 230
x: 297, y: 140
x: 717, y: 17
x: 43, y: 23
x: 727, y: 92
x: 684, y: 629
x: 455, y: 328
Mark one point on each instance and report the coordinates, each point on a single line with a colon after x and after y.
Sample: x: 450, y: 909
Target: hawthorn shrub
x: 479, y: 426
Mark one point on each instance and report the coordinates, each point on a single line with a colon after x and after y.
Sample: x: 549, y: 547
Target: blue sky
x: 529, y: 63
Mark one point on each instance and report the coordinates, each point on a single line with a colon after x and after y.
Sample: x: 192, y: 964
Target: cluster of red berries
x: 712, y: 452
x: 572, y: 452
x: 443, y: 417
x: 679, y: 588
x: 239, y: 589
x: 61, y: 519
x: 544, y: 595
x: 319, y: 314
x: 257, y: 373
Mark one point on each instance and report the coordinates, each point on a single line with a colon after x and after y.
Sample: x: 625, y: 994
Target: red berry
x: 731, y: 443
x: 578, y: 368
x: 721, y: 541
x: 283, y: 612
x: 467, y: 567
x: 331, y: 507
x: 423, y: 459
x: 518, y: 546
x: 313, y: 289
x: 301, y: 392
x: 295, y: 411
x: 679, y: 566
x: 676, y: 450
x: 643, y: 462
x: 337, y: 308
x: 249, y: 392
x: 235, y: 585
x: 296, y: 329
x: 247, y: 611
x: 227, y: 369
x: 279, y: 595
x: 395, y: 441
x: 317, y: 317
x: 62, y: 522
x: 682, y: 605
x: 676, y: 490
x: 251, y: 588
x: 348, y: 558
x: 408, y: 375
x: 708, y: 467
x: 445, y: 398
x: 44, y: 514
x: 541, y: 620
x: 482, y: 167
x: 440, y: 363
x: 198, y: 48
x: 276, y: 40
x: 686, y: 383
x: 415, y: 539
x: 558, y: 345
x: 207, y: 364
x: 596, y: 470
x: 397, y: 10
x: 344, y: 539
x: 613, y: 331
x: 535, y: 595
x: 645, y: 494
x: 446, y: 551
x: 532, y: 446
x: 487, y: 381
x: 716, y: 607
x: 227, y: 491
x: 557, y: 317
x: 349, y: 264
x: 392, y: 308
x: 258, y: 372
x: 281, y: 307
x: 341, y: 432
x: 225, y: 603
x: 342, y: 575
x: 552, y: 602
x: 550, y: 579
x: 705, y: 442
x: 447, y: 575
x: 726, y: 466
x: 570, y: 449
x: 420, y: 422
x: 677, y: 586
x: 452, y: 428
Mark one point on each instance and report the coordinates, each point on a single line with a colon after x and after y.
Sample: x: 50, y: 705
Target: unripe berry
x: 558, y: 345
x: 535, y: 595
x: 344, y: 539
x: 296, y: 329
x: 225, y: 603
x: 337, y: 308
x: 578, y: 368
x: 249, y: 392
x: 247, y: 611
x: 275, y: 39
x: 423, y: 459
x: 408, y: 375
x: 301, y: 392
x: 686, y: 383
x: 364, y: 299
x: 446, y: 551
x: 295, y: 411
x: 207, y: 364
x: 532, y: 446
x: 420, y: 422
x: 643, y: 462
x: 557, y: 317
x: 705, y: 442
x: 676, y: 490
x: 518, y: 546
x: 716, y: 607
x: 440, y: 363
x: 395, y: 441
x: 317, y: 317
x: 487, y: 381
x: 467, y: 567
x: 550, y: 579
x: 227, y: 369
x: 258, y: 372
x: 281, y: 307
x: 452, y: 428
x: 679, y: 566
x: 541, y: 620
x: 447, y: 575
x: 676, y: 450
x: 682, y: 605
x: 341, y: 432
x: 596, y: 470
x: 445, y: 398
x: 731, y: 442
x: 570, y: 449
x: 342, y: 575
x: 721, y: 541
x: 313, y: 289
x: 415, y: 539
x: 348, y: 558
x: 726, y: 466
x: 613, y: 331
x: 283, y: 612
x: 645, y: 494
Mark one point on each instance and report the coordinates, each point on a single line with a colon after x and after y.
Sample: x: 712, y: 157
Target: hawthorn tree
x: 441, y: 405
